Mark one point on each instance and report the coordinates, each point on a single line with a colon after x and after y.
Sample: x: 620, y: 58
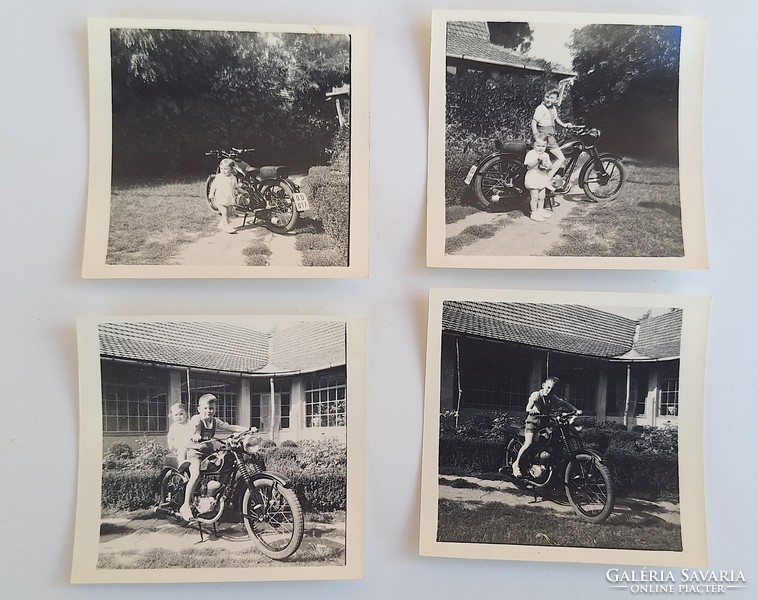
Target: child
x: 180, y: 433
x: 541, y: 402
x: 204, y: 427
x: 223, y: 193
x: 538, y: 163
x: 544, y: 120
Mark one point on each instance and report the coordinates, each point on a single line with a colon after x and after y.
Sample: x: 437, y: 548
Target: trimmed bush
x: 129, y: 490
x: 322, y: 490
x: 471, y: 455
x: 288, y: 444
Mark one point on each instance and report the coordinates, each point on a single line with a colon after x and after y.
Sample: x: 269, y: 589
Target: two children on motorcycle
x: 541, y: 403
x: 193, y: 439
x: 540, y: 169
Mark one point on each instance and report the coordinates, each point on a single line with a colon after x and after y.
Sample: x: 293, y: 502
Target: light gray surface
x: 44, y: 156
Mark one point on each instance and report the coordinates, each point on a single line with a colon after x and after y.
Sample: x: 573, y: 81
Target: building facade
x: 290, y: 383
x: 617, y: 369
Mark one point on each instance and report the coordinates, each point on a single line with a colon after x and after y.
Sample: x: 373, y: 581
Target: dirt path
x: 493, y: 490
x: 522, y: 236
x: 127, y: 541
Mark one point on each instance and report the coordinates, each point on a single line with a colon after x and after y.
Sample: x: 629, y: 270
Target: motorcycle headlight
x: 252, y: 444
x: 576, y: 424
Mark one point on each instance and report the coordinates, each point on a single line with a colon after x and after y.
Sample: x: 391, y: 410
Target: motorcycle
x: 500, y: 176
x: 266, y: 193
x: 557, y: 456
x: 235, y: 476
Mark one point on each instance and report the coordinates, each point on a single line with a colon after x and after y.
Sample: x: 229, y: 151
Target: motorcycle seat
x: 512, y: 147
x: 274, y: 172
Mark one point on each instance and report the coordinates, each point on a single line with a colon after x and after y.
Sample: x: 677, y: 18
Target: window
x: 259, y: 409
x: 134, y: 399
x: 668, y: 391
x: 493, y: 376
x: 325, y: 399
x: 226, y: 390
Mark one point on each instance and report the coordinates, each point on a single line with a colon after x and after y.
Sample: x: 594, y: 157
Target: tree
x: 629, y: 84
x: 515, y: 36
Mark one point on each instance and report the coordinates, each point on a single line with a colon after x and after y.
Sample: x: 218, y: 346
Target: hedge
x: 133, y: 490
x: 632, y: 472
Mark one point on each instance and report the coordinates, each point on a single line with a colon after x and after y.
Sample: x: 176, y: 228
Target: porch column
x: 651, y: 402
x: 243, y: 403
x: 297, y: 409
x: 601, y: 396
x: 175, y: 387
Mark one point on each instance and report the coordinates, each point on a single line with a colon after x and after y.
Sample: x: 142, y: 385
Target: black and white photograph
x: 571, y: 140
x: 227, y: 150
x: 220, y: 449
x: 565, y: 426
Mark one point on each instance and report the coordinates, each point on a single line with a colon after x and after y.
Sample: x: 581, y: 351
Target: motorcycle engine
x: 207, y: 501
x: 543, y: 457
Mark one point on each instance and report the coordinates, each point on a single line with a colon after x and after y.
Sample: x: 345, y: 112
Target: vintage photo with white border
x: 565, y: 426
x: 220, y: 448
x: 565, y: 140
x: 226, y: 150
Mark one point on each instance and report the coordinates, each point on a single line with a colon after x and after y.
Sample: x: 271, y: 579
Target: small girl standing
x: 223, y: 193
x: 538, y: 163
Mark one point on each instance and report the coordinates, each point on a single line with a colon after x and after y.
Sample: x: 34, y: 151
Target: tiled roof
x: 309, y: 345
x: 661, y: 336
x: 567, y: 328
x: 470, y: 40
x: 212, y: 345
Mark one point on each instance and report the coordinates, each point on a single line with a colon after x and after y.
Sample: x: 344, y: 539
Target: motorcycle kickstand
x: 244, y: 219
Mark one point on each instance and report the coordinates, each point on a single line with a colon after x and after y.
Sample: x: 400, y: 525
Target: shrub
x: 129, y: 490
x: 268, y: 444
x: 321, y: 489
x: 149, y: 455
x: 328, y: 454
x: 288, y: 444
x: 119, y: 451
x: 471, y: 455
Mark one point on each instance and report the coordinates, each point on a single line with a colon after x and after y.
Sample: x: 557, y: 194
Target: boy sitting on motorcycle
x: 205, y: 425
x: 540, y: 404
x: 544, y: 120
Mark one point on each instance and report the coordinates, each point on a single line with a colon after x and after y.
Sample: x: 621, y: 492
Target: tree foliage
x: 628, y: 84
x: 515, y: 36
x: 179, y: 93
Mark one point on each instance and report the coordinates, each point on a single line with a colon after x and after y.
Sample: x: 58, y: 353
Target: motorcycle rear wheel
x: 599, y: 186
x: 172, y: 489
x: 273, y: 518
x: 500, y: 179
x: 208, y: 198
x: 279, y: 195
x: 589, y: 488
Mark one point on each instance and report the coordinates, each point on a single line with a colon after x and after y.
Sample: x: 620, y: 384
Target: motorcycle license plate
x: 301, y: 201
x: 470, y: 175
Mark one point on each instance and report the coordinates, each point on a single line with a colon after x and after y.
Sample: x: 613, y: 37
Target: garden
x: 133, y: 536
x: 478, y: 504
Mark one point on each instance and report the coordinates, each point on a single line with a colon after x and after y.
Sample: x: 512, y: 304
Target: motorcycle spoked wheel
x: 499, y: 177
x: 599, y: 186
x: 273, y: 518
x: 589, y: 488
x: 279, y: 195
x: 208, y: 198
x: 172, y: 489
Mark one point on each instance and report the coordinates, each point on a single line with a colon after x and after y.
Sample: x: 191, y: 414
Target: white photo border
x: 690, y: 147
x: 94, y: 264
x: 88, y: 508
x: 691, y: 460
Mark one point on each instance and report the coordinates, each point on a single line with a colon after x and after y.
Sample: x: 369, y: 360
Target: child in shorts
x: 544, y: 120
x: 223, y: 193
x: 180, y: 433
x: 538, y: 164
x: 204, y: 427
x: 541, y: 403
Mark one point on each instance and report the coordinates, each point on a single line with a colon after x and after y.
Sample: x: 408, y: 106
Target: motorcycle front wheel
x: 602, y: 185
x: 499, y: 179
x: 273, y: 518
x: 279, y: 195
x: 589, y: 488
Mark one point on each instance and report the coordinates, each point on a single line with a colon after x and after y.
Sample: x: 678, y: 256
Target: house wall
x: 171, y: 380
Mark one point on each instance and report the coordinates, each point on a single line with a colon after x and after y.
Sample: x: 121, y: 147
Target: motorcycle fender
x: 158, y: 480
x: 596, y: 455
x: 278, y: 477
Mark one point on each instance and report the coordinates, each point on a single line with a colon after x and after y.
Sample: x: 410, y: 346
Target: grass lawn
x: 150, y: 222
x: 497, y: 523
x: 645, y: 220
